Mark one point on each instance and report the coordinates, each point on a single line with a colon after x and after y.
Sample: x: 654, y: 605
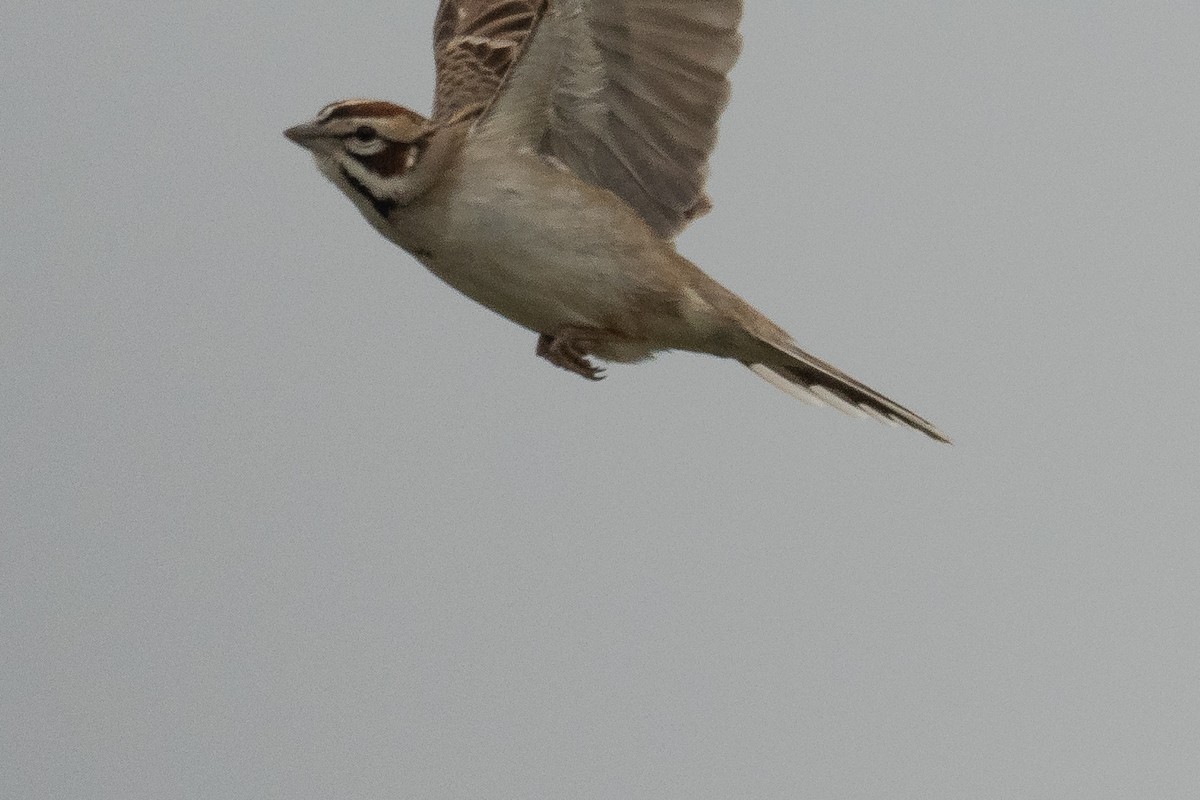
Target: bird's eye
x: 364, y: 133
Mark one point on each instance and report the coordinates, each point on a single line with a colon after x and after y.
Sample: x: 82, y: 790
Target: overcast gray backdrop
x: 283, y: 516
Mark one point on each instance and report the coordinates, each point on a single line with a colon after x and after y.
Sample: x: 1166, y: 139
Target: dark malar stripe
x: 382, y: 205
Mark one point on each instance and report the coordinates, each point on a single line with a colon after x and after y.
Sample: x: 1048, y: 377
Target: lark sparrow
x: 568, y: 146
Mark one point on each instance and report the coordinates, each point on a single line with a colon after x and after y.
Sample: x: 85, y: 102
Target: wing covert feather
x: 475, y: 44
x: 626, y: 94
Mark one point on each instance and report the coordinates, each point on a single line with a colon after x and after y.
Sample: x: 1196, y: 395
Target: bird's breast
x: 538, y: 245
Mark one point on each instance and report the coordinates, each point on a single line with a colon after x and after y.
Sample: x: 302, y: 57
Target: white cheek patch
x: 356, y: 170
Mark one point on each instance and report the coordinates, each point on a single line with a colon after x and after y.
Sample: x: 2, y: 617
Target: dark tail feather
x: 812, y: 380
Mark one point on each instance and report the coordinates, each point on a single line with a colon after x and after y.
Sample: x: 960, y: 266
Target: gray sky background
x: 282, y: 516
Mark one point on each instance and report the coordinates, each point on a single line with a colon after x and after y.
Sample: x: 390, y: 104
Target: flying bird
x: 568, y: 146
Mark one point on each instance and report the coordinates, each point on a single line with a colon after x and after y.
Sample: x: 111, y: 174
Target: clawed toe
x: 569, y: 353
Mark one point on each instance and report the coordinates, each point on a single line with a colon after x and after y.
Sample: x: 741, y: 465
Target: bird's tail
x: 816, y: 382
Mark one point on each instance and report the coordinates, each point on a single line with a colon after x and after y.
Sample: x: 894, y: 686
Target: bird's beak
x: 304, y: 135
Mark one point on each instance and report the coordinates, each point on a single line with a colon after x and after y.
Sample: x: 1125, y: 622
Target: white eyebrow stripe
x: 325, y: 113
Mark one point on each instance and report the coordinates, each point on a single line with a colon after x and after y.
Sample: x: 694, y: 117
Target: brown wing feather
x: 475, y: 44
x: 627, y: 94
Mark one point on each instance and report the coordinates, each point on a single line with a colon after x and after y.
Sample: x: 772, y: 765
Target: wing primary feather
x: 627, y: 95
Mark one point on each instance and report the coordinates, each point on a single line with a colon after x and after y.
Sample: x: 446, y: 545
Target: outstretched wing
x: 625, y: 93
x: 475, y: 44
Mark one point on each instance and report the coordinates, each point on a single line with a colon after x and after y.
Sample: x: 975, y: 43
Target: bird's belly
x: 539, y: 265
x: 537, y: 293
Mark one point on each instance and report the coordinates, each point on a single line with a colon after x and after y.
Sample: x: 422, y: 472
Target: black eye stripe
x: 391, y: 160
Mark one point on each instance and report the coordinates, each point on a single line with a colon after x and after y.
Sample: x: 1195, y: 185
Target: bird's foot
x: 569, y: 348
